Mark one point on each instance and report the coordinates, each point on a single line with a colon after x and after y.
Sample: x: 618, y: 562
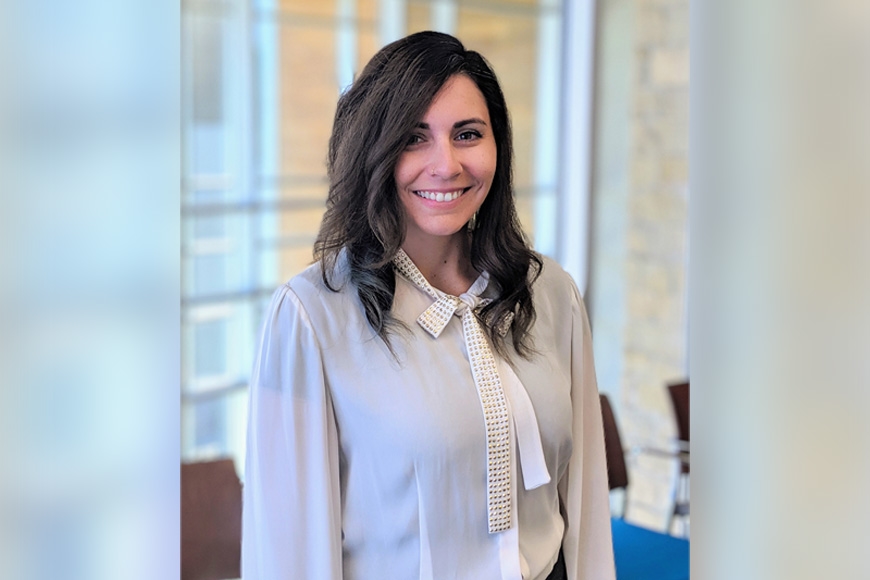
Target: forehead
x: 458, y: 96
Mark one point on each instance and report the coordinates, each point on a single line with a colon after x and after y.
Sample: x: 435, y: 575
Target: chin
x: 442, y: 230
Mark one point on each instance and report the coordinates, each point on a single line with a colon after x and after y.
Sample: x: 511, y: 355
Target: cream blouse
x: 365, y: 465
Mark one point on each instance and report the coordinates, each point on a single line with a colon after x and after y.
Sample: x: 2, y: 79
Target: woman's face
x: 447, y: 167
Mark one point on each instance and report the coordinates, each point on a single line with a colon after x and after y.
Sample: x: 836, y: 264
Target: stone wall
x: 638, y: 293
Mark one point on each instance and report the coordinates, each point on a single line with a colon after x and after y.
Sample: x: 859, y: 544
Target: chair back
x: 617, y: 473
x: 211, y: 521
x: 680, y: 400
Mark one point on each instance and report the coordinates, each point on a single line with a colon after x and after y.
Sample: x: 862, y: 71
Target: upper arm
x: 583, y: 490
x: 291, y: 514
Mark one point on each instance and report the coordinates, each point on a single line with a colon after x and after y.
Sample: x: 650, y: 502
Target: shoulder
x: 309, y: 284
x: 306, y: 296
x: 330, y: 309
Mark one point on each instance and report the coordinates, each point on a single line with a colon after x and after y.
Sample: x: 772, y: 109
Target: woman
x: 424, y: 401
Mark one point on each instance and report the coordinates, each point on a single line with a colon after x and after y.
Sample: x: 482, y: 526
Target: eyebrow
x: 457, y: 124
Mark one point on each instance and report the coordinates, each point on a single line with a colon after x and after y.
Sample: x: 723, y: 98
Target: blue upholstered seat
x: 643, y: 554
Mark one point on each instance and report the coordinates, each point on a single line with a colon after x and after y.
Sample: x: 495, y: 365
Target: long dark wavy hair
x: 364, y: 216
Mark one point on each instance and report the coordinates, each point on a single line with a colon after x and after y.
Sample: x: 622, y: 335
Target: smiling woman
x: 386, y: 437
x: 406, y: 85
x: 444, y: 175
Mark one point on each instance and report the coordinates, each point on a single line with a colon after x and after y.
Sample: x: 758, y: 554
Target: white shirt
x: 363, y: 465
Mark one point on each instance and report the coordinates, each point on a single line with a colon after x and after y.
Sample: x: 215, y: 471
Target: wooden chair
x: 639, y: 553
x: 211, y: 521
x: 679, y: 395
x: 617, y: 473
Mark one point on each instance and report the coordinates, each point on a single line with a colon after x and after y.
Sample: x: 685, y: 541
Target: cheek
x: 397, y: 174
x: 405, y: 171
x: 487, y: 173
x: 488, y: 163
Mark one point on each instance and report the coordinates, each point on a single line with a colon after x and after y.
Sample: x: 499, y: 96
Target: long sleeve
x: 583, y: 490
x: 292, y: 503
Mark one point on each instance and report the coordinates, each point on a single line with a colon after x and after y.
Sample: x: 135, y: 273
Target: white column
x: 444, y: 15
x: 576, y: 141
x: 780, y: 321
x: 392, y: 20
x: 346, y: 43
x: 265, y: 91
x: 546, y: 150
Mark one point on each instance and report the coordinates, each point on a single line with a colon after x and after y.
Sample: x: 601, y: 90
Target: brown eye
x: 469, y: 135
x: 414, y: 140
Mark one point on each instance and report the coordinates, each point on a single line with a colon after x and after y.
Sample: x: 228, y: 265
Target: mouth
x: 441, y: 196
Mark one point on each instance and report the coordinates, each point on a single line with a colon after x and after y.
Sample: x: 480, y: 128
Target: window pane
x: 210, y: 351
x: 206, y: 48
x: 205, y: 136
x: 210, y: 430
x: 210, y: 274
x: 209, y: 226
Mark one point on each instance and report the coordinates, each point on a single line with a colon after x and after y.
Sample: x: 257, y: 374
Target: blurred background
x: 598, y: 94
x: 132, y: 128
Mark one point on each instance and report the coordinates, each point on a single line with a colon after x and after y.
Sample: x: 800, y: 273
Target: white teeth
x: 439, y: 196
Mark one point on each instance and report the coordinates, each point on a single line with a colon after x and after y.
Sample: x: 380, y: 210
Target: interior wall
x: 639, y: 240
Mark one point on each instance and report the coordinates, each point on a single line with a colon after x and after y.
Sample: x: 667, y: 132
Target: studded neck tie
x: 486, y: 378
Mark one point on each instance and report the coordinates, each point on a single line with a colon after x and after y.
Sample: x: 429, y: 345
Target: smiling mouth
x: 441, y: 196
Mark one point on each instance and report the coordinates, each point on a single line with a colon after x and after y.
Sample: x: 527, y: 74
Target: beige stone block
x: 641, y: 305
x: 661, y: 208
x: 675, y: 140
x: 651, y: 277
x: 658, y: 243
x: 676, y: 170
x: 661, y: 340
x: 645, y: 104
x: 651, y: 242
x: 672, y: 105
x: 651, y: 25
x: 645, y: 171
x: 669, y: 67
x: 660, y: 136
x: 654, y: 400
x: 646, y: 308
x: 677, y: 24
x: 666, y: 4
x: 642, y: 65
x: 646, y: 138
x: 652, y: 478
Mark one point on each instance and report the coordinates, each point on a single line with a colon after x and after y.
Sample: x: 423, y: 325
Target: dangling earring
x: 472, y: 223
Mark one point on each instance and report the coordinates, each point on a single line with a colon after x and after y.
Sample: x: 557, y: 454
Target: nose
x: 444, y: 162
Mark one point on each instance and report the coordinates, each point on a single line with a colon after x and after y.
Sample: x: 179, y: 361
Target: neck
x: 444, y: 262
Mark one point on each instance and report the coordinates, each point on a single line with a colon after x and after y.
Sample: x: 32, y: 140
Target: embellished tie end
x: 505, y: 325
x: 435, y: 318
x: 500, y: 523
